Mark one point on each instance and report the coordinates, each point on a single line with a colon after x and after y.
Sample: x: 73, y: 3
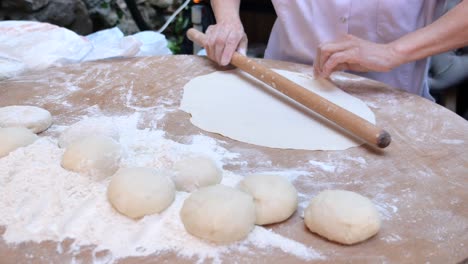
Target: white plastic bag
x: 10, y: 67
x: 28, y: 45
x: 110, y: 43
x: 153, y: 43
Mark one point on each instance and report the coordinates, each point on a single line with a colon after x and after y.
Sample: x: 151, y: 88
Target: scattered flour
x: 290, y: 175
x: 392, y: 238
x: 359, y: 160
x: 42, y: 201
x: 452, y: 141
x: 387, y: 207
x: 323, y: 165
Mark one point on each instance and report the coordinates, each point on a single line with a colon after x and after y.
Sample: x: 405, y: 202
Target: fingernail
x: 224, y: 62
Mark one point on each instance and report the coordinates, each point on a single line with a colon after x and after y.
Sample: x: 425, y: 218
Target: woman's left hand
x: 355, y: 54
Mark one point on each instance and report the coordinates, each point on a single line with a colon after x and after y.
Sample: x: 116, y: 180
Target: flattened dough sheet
x: 238, y: 106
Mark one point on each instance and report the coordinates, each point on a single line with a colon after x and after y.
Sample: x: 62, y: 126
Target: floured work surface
x: 419, y: 183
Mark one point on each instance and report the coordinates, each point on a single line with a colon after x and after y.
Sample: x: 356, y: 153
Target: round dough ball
x: 191, y: 173
x: 136, y: 192
x: 34, y: 118
x: 12, y: 138
x: 342, y: 216
x: 275, y: 197
x: 218, y: 213
x: 88, y: 127
x: 97, y: 156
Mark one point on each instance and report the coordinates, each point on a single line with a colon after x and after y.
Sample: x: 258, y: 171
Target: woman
x: 385, y: 40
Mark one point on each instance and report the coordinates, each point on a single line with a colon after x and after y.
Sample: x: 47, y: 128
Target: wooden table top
x: 419, y: 183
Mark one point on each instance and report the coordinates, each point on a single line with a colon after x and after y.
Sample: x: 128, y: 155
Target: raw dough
x: 136, y: 192
x: 88, y: 127
x: 238, y: 106
x: 34, y: 118
x: 275, y: 197
x: 12, y: 138
x: 218, y: 213
x: 193, y: 172
x: 342, y: 216
x: 97, y: 156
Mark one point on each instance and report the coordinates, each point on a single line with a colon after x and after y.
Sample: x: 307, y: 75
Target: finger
x: 316, y: 71
x: 316, y: 65
x: 334, y: 60
x: 345, y: 57
x: 220, y: 43
x: 232, y: 42
x: 342, y: 67
x: 328, y: 49
x: 209, y: 43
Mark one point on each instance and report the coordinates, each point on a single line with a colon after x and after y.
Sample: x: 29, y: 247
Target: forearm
x: 226, y: 11
x: 447, y: 33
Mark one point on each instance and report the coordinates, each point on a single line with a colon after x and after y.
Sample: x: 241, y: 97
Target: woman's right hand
x: 223, y: 39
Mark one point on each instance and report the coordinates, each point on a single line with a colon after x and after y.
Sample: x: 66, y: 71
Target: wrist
x: 399, y: 53
x: 226, y: 11
x: 232, y: 21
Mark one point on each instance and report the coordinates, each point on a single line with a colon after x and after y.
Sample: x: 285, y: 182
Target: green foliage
x: 105, y: 5
x: 120, y: 13
x: 177, y: 31
x: 174, y: 46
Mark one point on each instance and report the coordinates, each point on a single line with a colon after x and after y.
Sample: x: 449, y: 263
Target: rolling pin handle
x: 384, y: 139
x: 197, y: 37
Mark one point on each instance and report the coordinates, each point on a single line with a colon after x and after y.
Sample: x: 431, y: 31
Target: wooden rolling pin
x: 340, y: 116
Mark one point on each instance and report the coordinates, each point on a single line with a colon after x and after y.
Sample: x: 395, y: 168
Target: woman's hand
x: 223, y: 39
x: 355, y: 54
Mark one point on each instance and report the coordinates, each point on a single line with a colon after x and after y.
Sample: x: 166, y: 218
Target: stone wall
x: 87, y: 16
x: 72, y: 14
